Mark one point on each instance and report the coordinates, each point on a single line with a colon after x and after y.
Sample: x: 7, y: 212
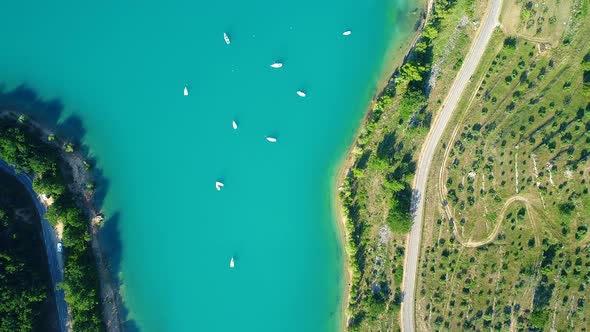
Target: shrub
x: 566, y: 208
x: 399, y: 221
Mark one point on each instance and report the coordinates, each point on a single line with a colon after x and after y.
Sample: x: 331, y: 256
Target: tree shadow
x: 386, y: 147
x: 49, y: 114
x: 109, y: 238
x: 23, y: 99
x: 415, y: 200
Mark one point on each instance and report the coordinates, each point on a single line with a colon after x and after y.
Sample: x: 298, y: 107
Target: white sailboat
x: 271, y: 139
x: 301, y: 94
x: 186, y: 90
x: 234, y: 125
x: 347, y: 33
x: 218, y: 185
x: 231, y: 263
x: 226, y: 38
x: 276, y: 65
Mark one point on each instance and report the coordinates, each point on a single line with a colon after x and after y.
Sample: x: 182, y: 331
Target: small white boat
x: 347, y: 33
x: 231, y: 263
x: 234, y: 125
x: 186, y: 90
x: 226, y: 38
x: 301, y: 94
x: 218, y: 185
x: 276, y: 65
x: 271, y: 139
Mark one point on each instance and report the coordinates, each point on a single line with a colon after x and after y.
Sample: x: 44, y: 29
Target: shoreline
x: 110, y: 297
x: 388, y: 70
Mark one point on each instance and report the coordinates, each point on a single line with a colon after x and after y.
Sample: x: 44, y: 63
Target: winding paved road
x: 428, y: 149
x: 54, y: 258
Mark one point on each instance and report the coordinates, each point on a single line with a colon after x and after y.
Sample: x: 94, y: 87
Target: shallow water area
x: 122, y: 68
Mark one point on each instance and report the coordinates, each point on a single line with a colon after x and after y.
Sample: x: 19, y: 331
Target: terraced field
x: 505, y: 240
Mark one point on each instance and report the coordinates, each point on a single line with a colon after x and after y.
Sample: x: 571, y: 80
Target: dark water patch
x: 23, y: 99
x: 49, y: 114
x: 109, y: 238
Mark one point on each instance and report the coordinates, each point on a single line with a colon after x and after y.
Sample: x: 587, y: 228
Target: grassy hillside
x: 505, y: 240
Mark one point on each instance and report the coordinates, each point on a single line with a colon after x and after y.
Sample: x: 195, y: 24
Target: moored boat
x: 231, y: 263
x: 301, y: 94
x: 234, y: 125
x: 218, y: 185
x: 186, y: 90
x: 226, y: 38
x: 271, y: 139
x: 347, y: 33
x: 276, y: 65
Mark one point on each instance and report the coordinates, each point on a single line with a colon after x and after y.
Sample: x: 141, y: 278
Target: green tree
x: 23, y: 271
x: 412, y: 101
x: 29, y: 153
x: 412, y: 72
x: 399, y: 220
x: 539, y: 318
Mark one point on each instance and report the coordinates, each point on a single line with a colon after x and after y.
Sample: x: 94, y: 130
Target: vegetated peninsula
x: 505, y: 242
x: 26, y: 148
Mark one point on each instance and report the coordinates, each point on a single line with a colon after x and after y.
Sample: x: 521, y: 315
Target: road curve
x: 463, y: 76
x: 54, y: 258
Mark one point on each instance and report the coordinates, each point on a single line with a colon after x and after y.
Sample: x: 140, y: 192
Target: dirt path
x: 494, y: 233
x: 442, y: 191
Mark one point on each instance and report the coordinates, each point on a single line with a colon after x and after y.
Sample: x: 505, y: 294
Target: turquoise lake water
x: 121, y: 66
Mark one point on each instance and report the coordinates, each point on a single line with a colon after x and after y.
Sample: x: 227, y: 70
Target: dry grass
x: 541, y: 21
x: 501, y: 251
